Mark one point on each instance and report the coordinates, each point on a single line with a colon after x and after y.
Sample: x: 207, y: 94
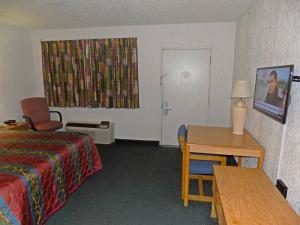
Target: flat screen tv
x: 272, y: 91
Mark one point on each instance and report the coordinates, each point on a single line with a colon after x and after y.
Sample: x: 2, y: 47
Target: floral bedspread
x: 39, y: 170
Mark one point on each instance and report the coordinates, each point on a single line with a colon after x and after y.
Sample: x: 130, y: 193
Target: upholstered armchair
x: 36, y: 113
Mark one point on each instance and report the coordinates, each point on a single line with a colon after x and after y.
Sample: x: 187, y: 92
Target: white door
x: 185, y: 89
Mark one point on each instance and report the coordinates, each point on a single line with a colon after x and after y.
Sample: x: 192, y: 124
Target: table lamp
x: 241, y: 90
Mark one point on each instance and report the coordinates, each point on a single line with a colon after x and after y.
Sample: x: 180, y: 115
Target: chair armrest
x: 59, y: 114
x: 28, y: 119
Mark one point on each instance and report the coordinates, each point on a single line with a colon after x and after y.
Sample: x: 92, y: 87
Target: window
x: 94, y: 73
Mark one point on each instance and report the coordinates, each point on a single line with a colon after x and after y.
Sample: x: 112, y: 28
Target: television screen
x: 272, y: 91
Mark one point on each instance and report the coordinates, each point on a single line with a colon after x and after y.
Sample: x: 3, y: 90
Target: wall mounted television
x: 272, y: 91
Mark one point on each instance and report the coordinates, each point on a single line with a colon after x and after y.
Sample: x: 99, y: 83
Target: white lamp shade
x: 241, y: 89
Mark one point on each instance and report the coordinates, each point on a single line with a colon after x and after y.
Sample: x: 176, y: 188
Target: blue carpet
x: 139, y: 185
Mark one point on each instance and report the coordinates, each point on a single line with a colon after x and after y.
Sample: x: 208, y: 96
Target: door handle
x: 165, y: 108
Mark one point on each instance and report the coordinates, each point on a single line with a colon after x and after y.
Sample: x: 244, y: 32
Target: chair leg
x: 213, y: 213
x: 200, y: 186
x: 240, y: 161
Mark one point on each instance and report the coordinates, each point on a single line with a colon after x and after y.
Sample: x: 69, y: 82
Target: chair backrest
x: 36, y: 108
x: 182, y: 136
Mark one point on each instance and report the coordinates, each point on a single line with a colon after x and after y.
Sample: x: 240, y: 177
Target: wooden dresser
x: 246, y: 196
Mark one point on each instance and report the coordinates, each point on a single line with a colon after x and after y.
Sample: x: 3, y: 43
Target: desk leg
x: 182, y: 175
x: 186, y: 175
x: 261, y: 160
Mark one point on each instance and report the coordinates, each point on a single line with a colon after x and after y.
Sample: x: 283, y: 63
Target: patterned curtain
x: 96, y: 73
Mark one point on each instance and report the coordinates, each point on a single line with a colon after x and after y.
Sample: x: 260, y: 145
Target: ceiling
x: 53, y: 14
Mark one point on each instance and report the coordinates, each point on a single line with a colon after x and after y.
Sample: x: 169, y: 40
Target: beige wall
x: 145, y: 123
x: 16, y: 70
x: 269, y: 35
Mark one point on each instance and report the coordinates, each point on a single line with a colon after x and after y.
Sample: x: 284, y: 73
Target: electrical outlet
x: 281, y: 187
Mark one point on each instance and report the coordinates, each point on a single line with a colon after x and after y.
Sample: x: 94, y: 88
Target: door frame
x: 161, y: 79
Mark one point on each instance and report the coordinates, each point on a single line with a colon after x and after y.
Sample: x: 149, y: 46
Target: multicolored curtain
x: 95, y: 73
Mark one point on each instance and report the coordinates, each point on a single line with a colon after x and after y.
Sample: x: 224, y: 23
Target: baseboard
x: 136, y: 141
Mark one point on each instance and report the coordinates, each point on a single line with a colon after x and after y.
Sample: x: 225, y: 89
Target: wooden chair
x: 200, y: 167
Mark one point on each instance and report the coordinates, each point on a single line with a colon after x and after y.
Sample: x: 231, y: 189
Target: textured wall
x: 16, y: 70
x: 269, y: 35
x: 289, y: 167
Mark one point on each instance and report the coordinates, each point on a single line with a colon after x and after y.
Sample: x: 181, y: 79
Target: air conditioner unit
x: 103, y: 132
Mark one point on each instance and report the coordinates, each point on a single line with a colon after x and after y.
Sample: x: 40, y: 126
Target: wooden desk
x: 219, y: 141
x: 246, y: 196
x: 16, y: 126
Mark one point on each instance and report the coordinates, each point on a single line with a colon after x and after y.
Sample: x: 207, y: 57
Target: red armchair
x: 36, y: 113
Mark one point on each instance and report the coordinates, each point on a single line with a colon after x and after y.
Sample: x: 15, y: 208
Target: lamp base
x: 238, y: 118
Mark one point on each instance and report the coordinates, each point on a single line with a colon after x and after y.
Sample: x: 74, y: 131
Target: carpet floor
x: 140, y: 184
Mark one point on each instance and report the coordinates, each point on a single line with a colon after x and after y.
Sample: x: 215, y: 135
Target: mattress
x: 39, y: 170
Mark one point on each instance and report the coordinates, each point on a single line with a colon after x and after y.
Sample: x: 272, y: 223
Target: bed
x: 39, y: 170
